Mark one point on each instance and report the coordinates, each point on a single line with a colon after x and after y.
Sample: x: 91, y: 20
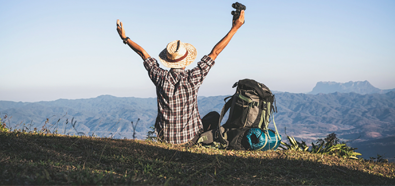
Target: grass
x: 38, y: 158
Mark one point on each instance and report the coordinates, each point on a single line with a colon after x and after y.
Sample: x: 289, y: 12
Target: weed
x: 134, y: 128
x: 3, y: 126
x: 151, y: 136
x: 330, y: 145
x: 379, y: 158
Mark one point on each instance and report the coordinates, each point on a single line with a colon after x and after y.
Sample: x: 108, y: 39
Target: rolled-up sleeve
x: 154, y: 71
x: 198, y: 73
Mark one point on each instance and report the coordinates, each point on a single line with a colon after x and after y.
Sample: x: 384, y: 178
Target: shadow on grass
x: 38, y: 159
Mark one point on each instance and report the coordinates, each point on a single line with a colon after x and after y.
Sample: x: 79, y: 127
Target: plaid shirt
x: 178, y: 119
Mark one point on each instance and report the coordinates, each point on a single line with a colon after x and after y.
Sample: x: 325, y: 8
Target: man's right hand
x: 239, y: 22
x: 137, y: 48
x: 120, y: 30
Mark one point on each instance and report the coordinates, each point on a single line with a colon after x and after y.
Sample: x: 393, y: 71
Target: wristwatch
x: 125, y: 41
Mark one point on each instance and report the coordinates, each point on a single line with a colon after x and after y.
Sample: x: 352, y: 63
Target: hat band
x: 179, y: 59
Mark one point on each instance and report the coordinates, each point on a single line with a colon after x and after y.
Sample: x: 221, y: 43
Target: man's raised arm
x: 137, y: 48
x: 224, y: 41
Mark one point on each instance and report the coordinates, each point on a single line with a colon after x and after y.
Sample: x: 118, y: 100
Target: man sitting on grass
x: 178, y: 119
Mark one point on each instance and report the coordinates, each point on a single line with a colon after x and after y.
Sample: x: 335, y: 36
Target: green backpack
x: 250, y: 107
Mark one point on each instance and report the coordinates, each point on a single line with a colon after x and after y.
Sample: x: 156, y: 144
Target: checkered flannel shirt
x: 178, y: 119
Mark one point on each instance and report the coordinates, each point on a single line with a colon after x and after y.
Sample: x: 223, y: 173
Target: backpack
x: 247, y: 126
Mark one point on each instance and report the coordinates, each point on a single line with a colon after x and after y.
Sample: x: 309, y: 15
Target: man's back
x: 178, y: 119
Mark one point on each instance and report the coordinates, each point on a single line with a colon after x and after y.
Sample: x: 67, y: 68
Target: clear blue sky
x: 70, y: 49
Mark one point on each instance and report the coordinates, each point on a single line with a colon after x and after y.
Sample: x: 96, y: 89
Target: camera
x: 239, y: 7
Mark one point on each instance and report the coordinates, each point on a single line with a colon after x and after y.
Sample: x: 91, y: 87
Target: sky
x: 70, y: 49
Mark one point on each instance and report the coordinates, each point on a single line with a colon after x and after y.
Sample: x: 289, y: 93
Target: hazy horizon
x: 274, y: 91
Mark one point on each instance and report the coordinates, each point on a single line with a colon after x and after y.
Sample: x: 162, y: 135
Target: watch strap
x: 125, y: 41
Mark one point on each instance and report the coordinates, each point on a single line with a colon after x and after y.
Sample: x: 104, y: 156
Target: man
x: 178, y: 119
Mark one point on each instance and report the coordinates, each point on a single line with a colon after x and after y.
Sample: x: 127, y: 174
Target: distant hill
x: 383, y: 146
x: 359, y: 87
x: 104, y: 115
x: 304, y: 116
x: 351, y: 116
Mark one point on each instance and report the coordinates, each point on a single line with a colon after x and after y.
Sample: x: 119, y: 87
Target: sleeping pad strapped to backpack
x: 247, y: 126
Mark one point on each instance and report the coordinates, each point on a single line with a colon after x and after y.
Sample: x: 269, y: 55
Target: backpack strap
x: 221, y: 130
x: 275, y: 127
x: 264, y: 145
x: 264, y: 115
x: 248, y: 100
x: 273, y: 108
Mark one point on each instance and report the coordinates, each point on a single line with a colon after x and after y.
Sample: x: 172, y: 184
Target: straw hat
x: 178, y: 54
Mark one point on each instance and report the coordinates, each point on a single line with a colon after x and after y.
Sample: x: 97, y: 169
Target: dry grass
x: 27, y: 158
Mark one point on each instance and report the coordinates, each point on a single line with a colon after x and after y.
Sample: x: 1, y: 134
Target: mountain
x: 103, y: 116
x: 359, y: 87
x: 365, y: 117
x: 383, y: 146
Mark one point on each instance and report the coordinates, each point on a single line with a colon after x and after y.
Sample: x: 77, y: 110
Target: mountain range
x: 365, y: 121
x: 360, y: 87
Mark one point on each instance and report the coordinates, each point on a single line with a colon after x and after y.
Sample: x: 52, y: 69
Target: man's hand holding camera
x: 239, y: 22
x: 238, y: 14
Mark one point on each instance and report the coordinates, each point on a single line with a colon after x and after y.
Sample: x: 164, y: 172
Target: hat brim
x: 192, y: 53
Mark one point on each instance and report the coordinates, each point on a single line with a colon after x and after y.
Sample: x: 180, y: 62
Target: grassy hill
x: 30, y: 158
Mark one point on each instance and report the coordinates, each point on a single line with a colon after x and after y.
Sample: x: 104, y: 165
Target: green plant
x: 316, y: 148
x: 379, y: 158
x: 330, y: 145
x: 342, y: 150
x: 3, y: 126
x: 332, y: 139
x: 151, y: 136
x: 294, y: 145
